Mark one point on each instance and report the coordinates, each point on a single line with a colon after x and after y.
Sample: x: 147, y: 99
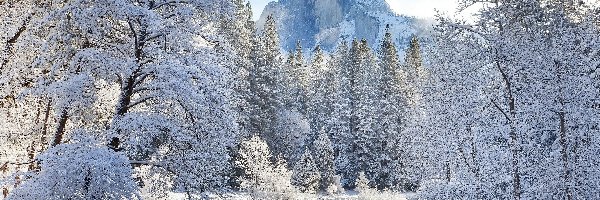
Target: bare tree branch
x: 501, y: 110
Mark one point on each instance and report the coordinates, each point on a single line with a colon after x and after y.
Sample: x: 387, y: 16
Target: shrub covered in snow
x: 259, y: 173
x: 79, y: 170
x: 362, y: 183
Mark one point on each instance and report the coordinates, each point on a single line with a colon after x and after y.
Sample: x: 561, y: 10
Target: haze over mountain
x: 326, y: 22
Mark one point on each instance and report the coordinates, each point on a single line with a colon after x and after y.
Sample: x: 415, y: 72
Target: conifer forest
x: 196, y: 99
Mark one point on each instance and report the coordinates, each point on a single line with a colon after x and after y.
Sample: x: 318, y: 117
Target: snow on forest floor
x: 350, y: 195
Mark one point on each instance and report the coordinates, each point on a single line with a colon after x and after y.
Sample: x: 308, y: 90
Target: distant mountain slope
x: 325, y: 22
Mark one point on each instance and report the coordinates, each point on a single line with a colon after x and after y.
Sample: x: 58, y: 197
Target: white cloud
x: 422, y: 8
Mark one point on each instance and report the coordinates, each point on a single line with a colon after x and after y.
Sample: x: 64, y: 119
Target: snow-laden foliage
x: 306, y: 175
x: 259, y: 174
x: 362, y: 183
x: 292, y: 135
x: 172, y: 105
x: 323, y: 152
x: 510, y: 104
x: 79, y: 170
x: 187, y: 99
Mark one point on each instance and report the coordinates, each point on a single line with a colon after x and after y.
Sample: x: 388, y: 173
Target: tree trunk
x: 135, y: 78
x: 126, y: 94
x: 563, y: 136
x: 60, y: 131
x: 514, y: 139
x: 44, y: 143
x: 10, y: 42
x: 565, y: 155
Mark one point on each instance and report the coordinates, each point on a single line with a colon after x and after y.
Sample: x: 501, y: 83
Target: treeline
x: 347, y: 108
x: 140, y: 99
x: 137, y: 99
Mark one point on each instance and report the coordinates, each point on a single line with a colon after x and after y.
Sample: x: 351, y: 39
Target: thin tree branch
x: 168, y: 3
x: 501, y: 110
x: 141, y: 101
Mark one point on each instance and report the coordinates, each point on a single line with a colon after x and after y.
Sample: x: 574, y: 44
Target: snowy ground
x: 350, y: 195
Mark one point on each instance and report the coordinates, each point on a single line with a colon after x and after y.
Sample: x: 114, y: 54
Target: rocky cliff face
x: 327, y: 22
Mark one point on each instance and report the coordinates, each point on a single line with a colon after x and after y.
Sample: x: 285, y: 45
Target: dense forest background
x: 144, y: 99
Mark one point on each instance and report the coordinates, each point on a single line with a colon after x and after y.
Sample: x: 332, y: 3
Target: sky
x: 417, y: 8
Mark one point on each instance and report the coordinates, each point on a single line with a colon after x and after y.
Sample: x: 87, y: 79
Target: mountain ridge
x: 328, y: 22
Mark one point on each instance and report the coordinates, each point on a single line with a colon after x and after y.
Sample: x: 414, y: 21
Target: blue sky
x: 418, y: 8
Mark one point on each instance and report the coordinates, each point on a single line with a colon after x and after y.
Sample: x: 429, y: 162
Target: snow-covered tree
x: 323, y: 151
x: 240, y: 32
x: 412, y: 73
x: 340, y: 122
x: 79, y: 170
x: 393, y: 111
x: 264, y: 77
x: 259, y: 173
x: 296, y: 79
x: 319, y: 101
x: 362, y: 183
x: 509, y: 113
x: 369, y: 141
x: 292, y: 134
x: 89, y: 50
x: 306, y: 174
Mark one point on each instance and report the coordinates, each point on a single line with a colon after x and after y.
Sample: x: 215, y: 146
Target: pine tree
x: 306, y: 174
x: 240, y: 32
x: 264, y: 77
x: 370, y: 142
x: 392, y: 112
x: 294, y: 75
x: 319, y: 106
x: 363, y: 185
x: 412, y: 73
x: 323, y: 150
x: 303, y: 75
x: 289, y: 84
x: 341, y: 121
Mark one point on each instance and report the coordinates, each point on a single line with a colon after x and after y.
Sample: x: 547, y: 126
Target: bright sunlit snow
x: 308, y: 99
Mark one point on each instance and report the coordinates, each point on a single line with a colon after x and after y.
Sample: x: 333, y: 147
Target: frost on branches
x: 79, y: 170
x: 306, y: 174
x: 259, y: 174
x: 121, y: 99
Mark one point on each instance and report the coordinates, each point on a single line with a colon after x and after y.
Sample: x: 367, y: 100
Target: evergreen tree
x: 412, y: 73
x: 319, y: 107
x: 264, y: 77
x: 323, y: 150
x: 369, y: 141
x: 306, y: 174
x: 294, y: 75
x: 293, y: 130
x: 340, y: 122
x: 289, y: 84
x: 392, y: 112
x: 240, y: 32
x: 302, y: 74
x: 363, y: 185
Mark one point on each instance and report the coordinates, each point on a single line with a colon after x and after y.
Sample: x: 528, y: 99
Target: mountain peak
x: 327, y: 22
